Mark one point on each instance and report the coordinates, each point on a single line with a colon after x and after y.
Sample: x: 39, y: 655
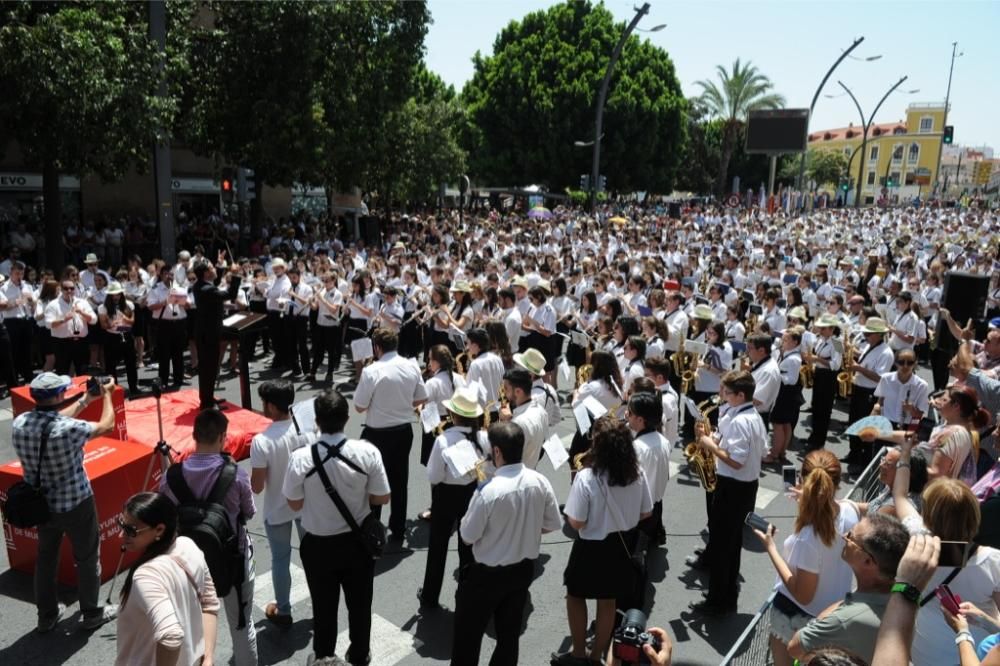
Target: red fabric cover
x: 179, y: 409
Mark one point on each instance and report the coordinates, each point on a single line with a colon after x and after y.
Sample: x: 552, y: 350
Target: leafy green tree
x: 700, y: 155
x: 78, y: 90
x: 738, y: 91
x: 535, y: 95
x: 822, y: 166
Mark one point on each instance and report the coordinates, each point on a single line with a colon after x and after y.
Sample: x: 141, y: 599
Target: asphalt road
x: 401, y: 635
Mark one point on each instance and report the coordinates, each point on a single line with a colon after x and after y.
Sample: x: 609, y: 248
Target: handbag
x: 371, y: 532
x: 26, y: 505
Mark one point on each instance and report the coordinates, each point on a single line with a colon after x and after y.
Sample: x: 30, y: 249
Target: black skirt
x: 786, y: 407
x: 601, y: 569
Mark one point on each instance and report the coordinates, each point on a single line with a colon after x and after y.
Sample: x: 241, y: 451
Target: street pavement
x: 400, y: 633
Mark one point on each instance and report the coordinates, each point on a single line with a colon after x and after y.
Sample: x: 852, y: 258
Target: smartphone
x: 948, y: 599
x: 954, y: 553
x: 757, y: 522
x: 790, y: 476
x: 756, y: 309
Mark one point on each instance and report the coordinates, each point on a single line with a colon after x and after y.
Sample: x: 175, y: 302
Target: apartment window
x: 871, y: 177
x: 894, y: 177
x: 897, y: 153
x: 914, y: 155
x: 926, y: 124
x: 873, y: 153
x: 847, y: 152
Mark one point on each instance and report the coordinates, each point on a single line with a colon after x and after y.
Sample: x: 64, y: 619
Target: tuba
x: 845, y: 378
x: 701, y: 462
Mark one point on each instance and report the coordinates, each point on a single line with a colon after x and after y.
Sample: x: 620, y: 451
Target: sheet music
x: 361, y: 349
x: 232, y: 320
x: 594, y: 407
x: 558, y: 455
x: 429, y: 417
x: 460, y: 458
x: 582, y: 417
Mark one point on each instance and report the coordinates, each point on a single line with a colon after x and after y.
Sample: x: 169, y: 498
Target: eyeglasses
x: 69, y: 288
x: 904, y: 362
x: 129, y: 530
x: 849, y: 538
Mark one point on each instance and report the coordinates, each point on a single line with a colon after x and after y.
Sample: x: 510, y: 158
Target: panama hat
x: 519, y: 281
x: 531, y: 360
x: 114, y: 288
x: 875, y: 325
x: 278, y: 263
x: 464, y: 402
x: 703, y: 311
x: 461, y: 285
x: 545, y: 286
x: 827, y: 320
x: 91, y: 259
x: 798, y: 312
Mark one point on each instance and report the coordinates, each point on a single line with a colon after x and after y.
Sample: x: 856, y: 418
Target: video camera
x: 95, y: 384
x: 630, y: 636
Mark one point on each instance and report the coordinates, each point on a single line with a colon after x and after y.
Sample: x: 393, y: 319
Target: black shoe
x: 696, y: 561
x: 567, y: 659
x: 427, y: 604
x: 710, y: 609
x: 349, y: 658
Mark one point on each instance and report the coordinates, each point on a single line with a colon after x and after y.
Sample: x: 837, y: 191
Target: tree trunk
x: 55, y: 255
x: 728, y: 139
x: 257, y: 207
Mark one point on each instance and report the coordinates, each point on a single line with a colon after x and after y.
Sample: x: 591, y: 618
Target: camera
x: 94, y: 385
x: 630, y: 636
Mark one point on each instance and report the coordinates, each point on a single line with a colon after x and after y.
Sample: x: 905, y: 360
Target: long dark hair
x: 499, y: 342
x: 112, y: 306
x: 151, y: 509
x: 606, y: 368
x: 445, y: 361
x: 611, y: 451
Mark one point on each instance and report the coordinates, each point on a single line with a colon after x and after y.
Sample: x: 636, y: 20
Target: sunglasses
x: 905, y: 362
x: 129, y: 530
x: 69, y: 288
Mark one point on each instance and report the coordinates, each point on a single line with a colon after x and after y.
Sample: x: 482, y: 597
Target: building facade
x: 901, y: 158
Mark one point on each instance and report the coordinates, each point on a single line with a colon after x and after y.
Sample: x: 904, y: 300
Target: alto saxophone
x: 700, y: 461
x: 583, y: 374
x: 845, y: 378
x: 683, y: 362
x: 807, y: 373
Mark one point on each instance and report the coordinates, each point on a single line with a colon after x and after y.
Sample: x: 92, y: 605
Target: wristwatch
x: 910, y: 592
x: 962, y: 636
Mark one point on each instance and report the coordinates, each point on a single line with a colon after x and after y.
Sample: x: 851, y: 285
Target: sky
x: 794, y: 43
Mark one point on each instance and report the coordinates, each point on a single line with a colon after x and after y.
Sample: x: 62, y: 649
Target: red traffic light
x: 227, y: 185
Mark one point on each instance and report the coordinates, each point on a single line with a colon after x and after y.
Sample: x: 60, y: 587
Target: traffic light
x: 845, y: 185
x: 227, y: 185
x: 949, y: 134
x: 585, y: 182
x: 602, y: 183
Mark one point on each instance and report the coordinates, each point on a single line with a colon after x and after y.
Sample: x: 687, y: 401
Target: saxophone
x: 583, y: 374
x: 845, y: 378
x: 682, y: 365
x: 700, y: 461
x: 807, y: 373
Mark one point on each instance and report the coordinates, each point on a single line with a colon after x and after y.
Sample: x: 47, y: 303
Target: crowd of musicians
x: 701, y: 332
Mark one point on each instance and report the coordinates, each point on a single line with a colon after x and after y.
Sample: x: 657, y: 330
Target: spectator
x: 173, y: 614
x: 954, y: 445
x: 883, y: 502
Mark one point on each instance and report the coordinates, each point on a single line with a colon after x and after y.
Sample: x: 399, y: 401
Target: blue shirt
x: 63, y: 479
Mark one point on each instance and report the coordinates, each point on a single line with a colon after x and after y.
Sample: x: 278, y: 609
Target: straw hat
x: 464, y: 402
x: 703, y: 311
x: 91, y: 259
x: 519, y: 281
x: 278, y: 262
x: 544, y: 286
x: 827, y: 321
x: 461, y: 285
x: 531, y: 360
x: 798, y: 312
x: 875, y: 325
x: 114, y: 288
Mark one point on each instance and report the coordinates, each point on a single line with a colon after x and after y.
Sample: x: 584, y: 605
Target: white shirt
x: 506, y: 517
x: 742, y: 434
x: 535, y: 424
x: 295, y: 307
x: 76, y: 327
x: 825, y: 348
x: 605, y: 509
x: 653, y: 450
x: 678, y: 324
x: 10, y: 293
x: 329, y: 317
x: 271, y: 450
x: 276, y: 293
x: 633, y: 371
x: 670, y: 416
x: 512, y: 322
x: 388, y: 389
x: 907, y: 323
x: 789, y: 364
x: 440, y: 388
x: 438, y: 470
x: 878, y: 359
x: 544, y: 317
x: 546, y: 397
x: 171, y: 311
x: 600, y: 390
x: 319, y: 514
x: 915, y: 392
x: 654, y: 347
x: 488, y: 370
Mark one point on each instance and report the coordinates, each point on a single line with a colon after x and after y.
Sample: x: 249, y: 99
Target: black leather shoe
x: 696, y: 561
x: 710, y: 609
x: 426, y: 605
x: 349, y: 658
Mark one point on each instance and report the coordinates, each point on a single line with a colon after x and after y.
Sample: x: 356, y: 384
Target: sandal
x: 271, y: 613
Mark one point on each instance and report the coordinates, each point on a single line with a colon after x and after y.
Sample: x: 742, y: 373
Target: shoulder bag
x: 371, y: 532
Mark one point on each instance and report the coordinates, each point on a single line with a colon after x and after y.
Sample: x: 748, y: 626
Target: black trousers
x: 260, y: 307
x: 862, y: 401
x: 71, y: 351
x: 484, y: 593
x: 120, y: 347
x: 19, y: 331
x: 170, y: 343
x: 332, y: 563
x: 276, y: 331
x: 7, y: 373
x: 299, y: 343
x: 410, y: 338
x: 824, y: 390
x: 208, y: 368
x: 394, y: 444
x: 448, y: 504
x: 329, y: 342
x: 731, y: 502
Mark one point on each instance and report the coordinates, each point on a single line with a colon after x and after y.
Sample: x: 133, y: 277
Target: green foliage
x: 536, y: 94
x: 823, y: 166
x: 737, y: 92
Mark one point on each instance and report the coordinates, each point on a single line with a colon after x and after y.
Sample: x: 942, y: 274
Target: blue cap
x: 995, y: 322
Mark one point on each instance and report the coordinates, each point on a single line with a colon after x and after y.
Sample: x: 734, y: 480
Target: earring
x: 157, y: 538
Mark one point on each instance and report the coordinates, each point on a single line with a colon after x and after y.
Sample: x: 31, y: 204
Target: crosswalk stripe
x: 5, y: 415
x: 389, y: 644
x: 764, y: 497
x: 264, y: 589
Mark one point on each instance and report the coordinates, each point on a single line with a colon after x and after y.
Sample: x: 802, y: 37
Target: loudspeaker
x: 674, y: 210
x: 964, y: 296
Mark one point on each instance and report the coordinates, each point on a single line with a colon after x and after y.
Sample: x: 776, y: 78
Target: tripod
x: 166, y: 460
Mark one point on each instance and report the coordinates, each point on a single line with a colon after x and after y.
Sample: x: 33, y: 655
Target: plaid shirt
x: 64, y: 480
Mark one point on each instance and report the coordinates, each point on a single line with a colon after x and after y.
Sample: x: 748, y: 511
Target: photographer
x: 49, y: 441
x: 661, y: 657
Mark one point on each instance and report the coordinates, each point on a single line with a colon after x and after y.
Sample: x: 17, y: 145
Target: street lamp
x: 870, y: 58
x: 947, y: 98
x: 865, y: 125
x: 602, y: 96
x: 846, y: 53
x: 655, y: 28
x: 585, y: 144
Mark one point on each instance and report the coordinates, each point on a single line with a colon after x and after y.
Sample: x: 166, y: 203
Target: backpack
x: 206, y: 522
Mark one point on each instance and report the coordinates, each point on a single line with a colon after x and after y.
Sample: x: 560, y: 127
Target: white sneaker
x: 107, y: 614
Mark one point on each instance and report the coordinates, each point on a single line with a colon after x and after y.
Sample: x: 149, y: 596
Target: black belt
x: 388, y: 428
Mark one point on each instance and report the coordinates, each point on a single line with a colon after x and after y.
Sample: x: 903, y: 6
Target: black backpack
x: 206, y: 522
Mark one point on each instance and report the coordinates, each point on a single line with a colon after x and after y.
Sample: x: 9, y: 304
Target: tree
x: 700, y: 155
x: 78, y: 90
x: 822, y: 166
x: 739, y: 91
x: 535, y: 96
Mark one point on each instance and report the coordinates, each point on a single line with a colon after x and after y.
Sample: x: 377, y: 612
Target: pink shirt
x: 168, y: 596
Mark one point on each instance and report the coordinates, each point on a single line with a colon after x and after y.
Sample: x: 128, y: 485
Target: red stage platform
x: 179, y: 409
x: 21, y: 401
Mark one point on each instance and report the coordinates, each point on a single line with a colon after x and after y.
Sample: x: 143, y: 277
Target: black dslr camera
x: 94, y: 385
x: 630, y: 636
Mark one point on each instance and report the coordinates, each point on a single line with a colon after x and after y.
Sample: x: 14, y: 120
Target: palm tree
x: 738, y: 91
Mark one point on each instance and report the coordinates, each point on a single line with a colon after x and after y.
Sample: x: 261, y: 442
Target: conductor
x: 208, y: 298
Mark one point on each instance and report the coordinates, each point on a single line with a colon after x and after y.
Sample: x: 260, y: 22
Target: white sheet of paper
x: 692, y: 408
x: 593, y: 405
x: 461, y: 458
x: 361, y: 349
x: 565, y: 373
x: 233, y: 319
x: 429, y: 416
x: 582, y: 418
x: 558, y: 454
x: 695, y: 347
x: 578, y: 338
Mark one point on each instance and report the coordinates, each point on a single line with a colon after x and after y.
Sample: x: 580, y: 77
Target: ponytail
x: 980, y: 418
x: 818, y: 503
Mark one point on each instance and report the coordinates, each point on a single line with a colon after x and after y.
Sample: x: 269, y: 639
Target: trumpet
x: 700, y: 461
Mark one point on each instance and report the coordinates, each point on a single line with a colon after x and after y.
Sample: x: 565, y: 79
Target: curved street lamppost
x: 602, y: 96
x: 865, y: 125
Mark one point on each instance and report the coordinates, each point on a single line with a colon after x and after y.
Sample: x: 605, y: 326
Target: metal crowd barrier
x: 753, y: 647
